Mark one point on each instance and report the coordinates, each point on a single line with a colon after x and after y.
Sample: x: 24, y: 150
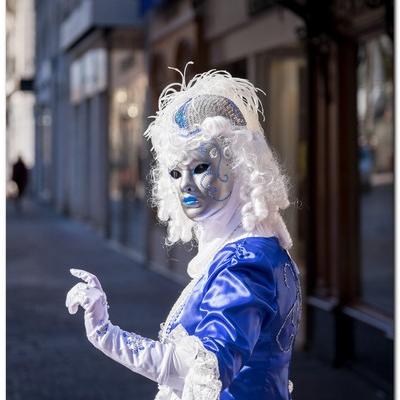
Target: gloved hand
x: 145, y: 356
x: 91, y: 297
x: 165, y: 363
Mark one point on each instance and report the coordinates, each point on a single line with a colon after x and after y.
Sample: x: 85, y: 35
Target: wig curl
x: 263, y: 188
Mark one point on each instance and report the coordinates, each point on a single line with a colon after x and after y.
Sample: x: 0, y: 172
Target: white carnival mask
x: 203, y: 180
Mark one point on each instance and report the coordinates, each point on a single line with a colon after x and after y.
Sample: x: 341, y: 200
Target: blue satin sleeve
x: 240, y: 297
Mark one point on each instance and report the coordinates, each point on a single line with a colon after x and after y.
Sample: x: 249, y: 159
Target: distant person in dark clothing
x: 20, y: 177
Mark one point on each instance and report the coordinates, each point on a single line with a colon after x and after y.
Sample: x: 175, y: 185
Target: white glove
x: 91, y: 297
x: 165, y: 363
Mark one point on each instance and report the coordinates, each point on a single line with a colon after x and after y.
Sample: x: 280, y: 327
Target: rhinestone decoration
x: 176, y: 311
x: 292, y: 320
x: 102, y: 329
x: 288, y: 324
x: 194, y: 111
x: 136, y: 342
x: 285, y: 266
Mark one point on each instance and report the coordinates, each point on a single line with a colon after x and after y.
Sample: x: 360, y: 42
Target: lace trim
x: 176, y: 311
x: 202, y: 381
x: 137, y: 343
x: 100, y: 330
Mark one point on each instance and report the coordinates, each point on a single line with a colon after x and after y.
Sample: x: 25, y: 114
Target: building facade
x: 20, y: 69
x: 50, y: 91
x: 85, y: 113
x: 350, y: 262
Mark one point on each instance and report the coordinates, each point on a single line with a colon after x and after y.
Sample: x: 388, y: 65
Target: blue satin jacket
x: 246, y: 309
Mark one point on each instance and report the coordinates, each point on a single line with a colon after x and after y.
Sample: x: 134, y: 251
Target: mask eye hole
x: 201, y: 168
x: 175, y: 174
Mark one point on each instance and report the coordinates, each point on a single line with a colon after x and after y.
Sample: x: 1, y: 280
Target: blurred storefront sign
x: 96, y: 13
x: 76, y: 25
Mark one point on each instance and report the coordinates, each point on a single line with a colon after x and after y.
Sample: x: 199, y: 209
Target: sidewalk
x: 48, y: 356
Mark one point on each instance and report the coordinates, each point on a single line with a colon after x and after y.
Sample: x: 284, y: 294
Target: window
x: 375, y: 165
x: 126, y: 186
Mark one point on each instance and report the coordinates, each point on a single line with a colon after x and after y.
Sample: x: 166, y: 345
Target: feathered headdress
x: 184, y: 106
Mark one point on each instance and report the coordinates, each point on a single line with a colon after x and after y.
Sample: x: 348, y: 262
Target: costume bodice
x: 246, y: 309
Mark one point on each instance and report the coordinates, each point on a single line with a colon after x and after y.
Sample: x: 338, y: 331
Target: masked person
x: 231, y: 332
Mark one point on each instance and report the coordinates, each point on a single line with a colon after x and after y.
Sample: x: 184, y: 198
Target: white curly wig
x: 263, y: 188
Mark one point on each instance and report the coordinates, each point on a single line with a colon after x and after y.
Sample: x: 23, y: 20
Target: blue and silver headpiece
x: 194, y: 111
x: 183, y: 106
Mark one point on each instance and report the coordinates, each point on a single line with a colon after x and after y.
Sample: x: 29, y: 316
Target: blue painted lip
x: 190, y: 200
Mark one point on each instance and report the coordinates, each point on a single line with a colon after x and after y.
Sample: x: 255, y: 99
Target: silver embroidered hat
x: 193, y: 112
x: 184, y: 106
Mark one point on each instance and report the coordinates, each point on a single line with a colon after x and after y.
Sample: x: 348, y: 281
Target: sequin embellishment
x: 285, y: 274
x: 102, y: 329
x: 287, y: 332
x: 193, y: 112
x: 176, y: 311
x: 136, y: 342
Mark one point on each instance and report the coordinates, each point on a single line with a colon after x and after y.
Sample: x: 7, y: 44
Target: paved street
x: 48, y: 356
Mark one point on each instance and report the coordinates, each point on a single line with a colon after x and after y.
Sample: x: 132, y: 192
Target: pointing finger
x: 89, y: 278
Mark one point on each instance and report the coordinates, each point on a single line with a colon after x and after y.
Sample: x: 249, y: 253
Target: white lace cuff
x: 201, y: 378
x: 202, y: 381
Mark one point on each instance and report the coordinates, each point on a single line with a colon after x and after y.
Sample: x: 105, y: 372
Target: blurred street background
x: 82, y: 78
